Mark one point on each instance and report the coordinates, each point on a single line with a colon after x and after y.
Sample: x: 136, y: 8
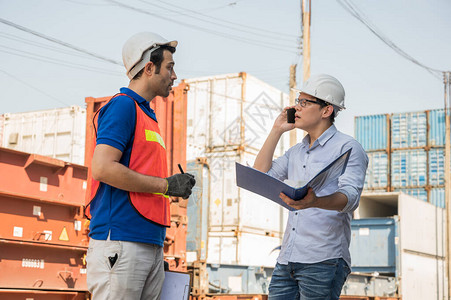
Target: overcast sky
x: 225, y: 36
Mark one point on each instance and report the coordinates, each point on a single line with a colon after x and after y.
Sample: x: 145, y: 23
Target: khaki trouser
x: 137, y: 274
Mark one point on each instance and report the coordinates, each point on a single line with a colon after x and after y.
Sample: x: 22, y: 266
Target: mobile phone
x: 290, y: 115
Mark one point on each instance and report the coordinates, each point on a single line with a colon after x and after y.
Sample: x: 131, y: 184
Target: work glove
x: 180, y: 185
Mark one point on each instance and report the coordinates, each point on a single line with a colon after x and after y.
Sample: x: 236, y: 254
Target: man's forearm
x: 123, y: 178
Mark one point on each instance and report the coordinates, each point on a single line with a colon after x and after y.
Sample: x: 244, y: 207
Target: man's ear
x: 328, y: 111
x: 149, y: 68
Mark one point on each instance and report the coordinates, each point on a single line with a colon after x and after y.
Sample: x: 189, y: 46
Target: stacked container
x: 229, y: 118
x: 406, y: 153
x: 43, y: 235
x: 58, y: 133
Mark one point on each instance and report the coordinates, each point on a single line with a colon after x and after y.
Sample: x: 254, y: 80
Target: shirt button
x: 293, y: 229
x: 303, y: 166
x: 296, y: 214
x: 308, y: 152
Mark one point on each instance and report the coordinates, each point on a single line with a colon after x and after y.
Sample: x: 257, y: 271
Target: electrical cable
x: 259, y: 31
x: 214, y: 32
x: 44, y: 46
x: 354, y: 11
x: 51, y: 60
x: 35, y: 88
x: 6, y: 22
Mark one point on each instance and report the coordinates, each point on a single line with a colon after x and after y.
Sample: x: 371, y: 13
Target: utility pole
x: 293, y: 137
x: 306, y: 14
x: 446, y: 81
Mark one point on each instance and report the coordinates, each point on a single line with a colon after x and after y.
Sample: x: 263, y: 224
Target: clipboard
x: 176, y: 286
x: 269, y: 187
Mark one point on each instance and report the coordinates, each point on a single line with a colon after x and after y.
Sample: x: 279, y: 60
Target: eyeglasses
x: 303, y: 102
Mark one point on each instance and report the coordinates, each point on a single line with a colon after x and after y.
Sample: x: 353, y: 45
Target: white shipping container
x: 232, y: 208
x: 242, y: 248
x: 420, y: 242
x: 57, y: 133
x: 228, y: 112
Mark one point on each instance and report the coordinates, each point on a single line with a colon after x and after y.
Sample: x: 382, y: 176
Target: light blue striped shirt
x: 313, y: 234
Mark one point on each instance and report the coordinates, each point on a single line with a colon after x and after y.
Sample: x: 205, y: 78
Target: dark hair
x: 157, y: 58
x: 323, y: 103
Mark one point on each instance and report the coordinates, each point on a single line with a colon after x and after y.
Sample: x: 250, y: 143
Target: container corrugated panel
x: 408, y: 130
x: 33, y: 266
x: 409, y: 168
x: 232, y: 208
x: 371, y: 132
x: 419, y: 193
x: 242, y: 248
x: 436, y: 166
x: 373, y: 246
x: 57, y: 133
x: 377, y: 172
x: 197, y: 211
x: 437, y: 127
x: 228, y: 112
x: 437, y: 197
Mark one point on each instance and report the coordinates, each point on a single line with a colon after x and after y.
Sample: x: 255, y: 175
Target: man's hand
x: 180, y: 185
x: 310, y: 200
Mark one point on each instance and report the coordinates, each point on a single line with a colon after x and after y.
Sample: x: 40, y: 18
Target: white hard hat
x: 137, y: 50
x: 326, y: 88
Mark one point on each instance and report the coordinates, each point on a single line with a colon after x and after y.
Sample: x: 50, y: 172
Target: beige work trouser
x: 137, y: 274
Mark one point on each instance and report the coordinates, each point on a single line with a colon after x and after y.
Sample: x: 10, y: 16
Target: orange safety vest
x: 148, y: 157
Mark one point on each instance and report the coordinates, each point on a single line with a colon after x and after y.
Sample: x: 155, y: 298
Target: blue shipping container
x: 437, y: 127
x: 409, y: 168
x: 419, y: 193
x: 377, y: 172
x: 437, y: 166
x: 373, y: 247
x: 438, y: 197
x: 371, y: 131
x: 408, y: 130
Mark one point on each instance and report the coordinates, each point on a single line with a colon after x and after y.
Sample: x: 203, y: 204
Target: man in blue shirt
x: 314, y: 260
x: 130, y: 206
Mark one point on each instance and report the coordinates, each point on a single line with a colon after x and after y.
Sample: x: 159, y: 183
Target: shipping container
x: 409, y: 168
x: 436, y: 166
x: 403, y: 242
x: 232, y: 112
x: 198, y: 211
x: 437, y: 128
x: 43, y: 234
x: 372, y: 132
x: 437, y: 196
x: 415, y: 152
x: 41, y: 295
x: 377, y: 174
x: 242, y: 248
x: 57, y: 133
x: 408, y: 130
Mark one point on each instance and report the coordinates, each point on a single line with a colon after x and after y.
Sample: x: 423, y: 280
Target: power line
x: 59, y: 42
x: 354, y: 11
x: 60, y: 63
x: 214, y: 32
x: 44, y: 46
x: 35, y: 88
x: 236, y: 26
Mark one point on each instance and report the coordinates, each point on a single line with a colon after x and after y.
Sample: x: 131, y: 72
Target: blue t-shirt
x: 111, y: 210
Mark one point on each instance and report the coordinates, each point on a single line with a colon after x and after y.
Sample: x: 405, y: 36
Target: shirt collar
x: 327, y: 135
x: 133, y: 94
